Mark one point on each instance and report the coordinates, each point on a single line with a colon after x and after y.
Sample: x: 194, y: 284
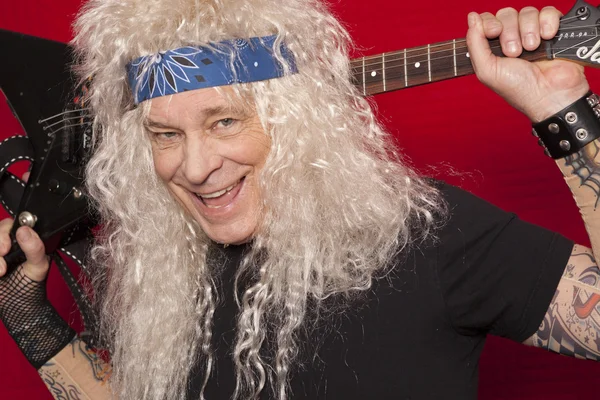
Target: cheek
x: 255, y: 149
x: 165, y: 163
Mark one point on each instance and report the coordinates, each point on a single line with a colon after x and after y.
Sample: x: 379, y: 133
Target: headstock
x: 578, y: 37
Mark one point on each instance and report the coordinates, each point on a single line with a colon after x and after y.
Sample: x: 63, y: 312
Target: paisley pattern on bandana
x: 224, y: 63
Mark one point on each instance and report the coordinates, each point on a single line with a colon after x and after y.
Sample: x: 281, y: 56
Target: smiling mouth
x: 220, y: 198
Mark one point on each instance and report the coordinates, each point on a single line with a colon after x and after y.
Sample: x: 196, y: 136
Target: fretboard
x: 419, y: 65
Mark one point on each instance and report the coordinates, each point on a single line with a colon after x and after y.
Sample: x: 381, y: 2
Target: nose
x: 200, y: 159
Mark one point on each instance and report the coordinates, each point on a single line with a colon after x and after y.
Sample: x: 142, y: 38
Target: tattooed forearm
x: 100, y: 368
x: 77, y: 373
x: 585, y: 166
x: 58, y: 383
x: 572, y: 324
x: 582, y: 174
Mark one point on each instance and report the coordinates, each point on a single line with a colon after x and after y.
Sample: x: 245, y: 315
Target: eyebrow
x: 153, y: 124
x: 207, y: 113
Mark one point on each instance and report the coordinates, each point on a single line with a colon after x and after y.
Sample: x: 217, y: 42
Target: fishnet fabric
x: 30, y: 319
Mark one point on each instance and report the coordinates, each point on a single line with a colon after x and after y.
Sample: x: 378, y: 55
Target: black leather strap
x: 11, y: 191
x: 14, y: 149
x: 89, y: 334
x: 78, y: 250
x: 570, y: 129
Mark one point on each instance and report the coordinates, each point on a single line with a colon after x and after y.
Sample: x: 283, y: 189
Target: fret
x: 405, y: 71
x: 363, y: 77
x: 463, y: 60
x: 417, y: 71
x: 454, y: 55
x: 373, y: 74
x: 442, y: 61
x: 429, y: 61
x: 383, y: 71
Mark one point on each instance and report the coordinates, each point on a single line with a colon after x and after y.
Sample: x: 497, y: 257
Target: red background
x: 457, y: 129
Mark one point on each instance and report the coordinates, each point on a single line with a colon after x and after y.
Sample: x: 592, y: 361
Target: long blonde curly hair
x: 339, y: 202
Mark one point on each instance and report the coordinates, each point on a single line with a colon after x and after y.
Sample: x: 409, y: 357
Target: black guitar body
x: 36, y: 79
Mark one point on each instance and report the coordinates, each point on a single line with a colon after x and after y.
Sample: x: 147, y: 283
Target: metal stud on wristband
x: 570, y: 129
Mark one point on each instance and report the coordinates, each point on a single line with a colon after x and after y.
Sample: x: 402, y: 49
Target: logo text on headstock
x: 572, y: 35
x: 592, y: 54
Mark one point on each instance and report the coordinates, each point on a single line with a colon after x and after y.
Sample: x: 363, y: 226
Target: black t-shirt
x: 418, y: 332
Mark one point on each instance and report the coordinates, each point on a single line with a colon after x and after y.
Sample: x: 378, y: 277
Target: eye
x: 225, y: 122
x: 164, y: 137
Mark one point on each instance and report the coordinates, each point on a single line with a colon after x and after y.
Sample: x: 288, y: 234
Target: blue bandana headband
x: 190, y: 68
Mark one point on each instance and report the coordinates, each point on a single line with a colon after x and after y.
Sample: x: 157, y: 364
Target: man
x: 270, y: 181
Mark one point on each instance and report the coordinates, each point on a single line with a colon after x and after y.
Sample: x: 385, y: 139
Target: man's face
x: 210, y: 152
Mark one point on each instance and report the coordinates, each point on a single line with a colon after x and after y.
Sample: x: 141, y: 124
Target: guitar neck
x: 420, y: 65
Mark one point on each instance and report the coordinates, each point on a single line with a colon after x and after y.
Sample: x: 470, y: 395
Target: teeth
x: 217, y: 194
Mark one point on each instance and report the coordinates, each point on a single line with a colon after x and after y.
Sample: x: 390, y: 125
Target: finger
x: 492, y: 27
x: 479, y: 47
x: 36, y: 266
x: 529, y: 28
x: 510, y: 38
x: 549, y: 22
x: 26, y: 176
x: 5, y: 227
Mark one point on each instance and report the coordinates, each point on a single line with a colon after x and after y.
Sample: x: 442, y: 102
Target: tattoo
x: 100, y: 368
x: 56, y: 383
x: 586, y: 165
x: 572, y: 323
x: 79, y: 374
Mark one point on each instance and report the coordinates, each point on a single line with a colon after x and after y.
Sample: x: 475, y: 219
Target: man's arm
x: 571, y: 325
x: 539, y: 90
x: 74, y: 372
x: 77, y: 373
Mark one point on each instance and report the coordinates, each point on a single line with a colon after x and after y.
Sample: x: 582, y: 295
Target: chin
x: 233, y: 237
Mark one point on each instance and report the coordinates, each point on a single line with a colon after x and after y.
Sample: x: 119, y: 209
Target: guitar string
x: 460, y: 41
x: 436, y: 45
x: 61, y: 121
x: 40, y: 121
x: 390, y: 75
x: 358, y: 63
x: 68, y: 126
x: 51, y: 132
x: 424, y: 59
x: 418, y: 58
x: 568, y: 48
x: 461, y: 46
x: 421, y: 58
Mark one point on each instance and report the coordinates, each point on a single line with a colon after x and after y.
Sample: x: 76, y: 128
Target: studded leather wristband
x: 570, y: 129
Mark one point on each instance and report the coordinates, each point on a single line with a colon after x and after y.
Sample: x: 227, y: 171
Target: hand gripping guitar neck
x: 577, y: 40
x: 37, y: 82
